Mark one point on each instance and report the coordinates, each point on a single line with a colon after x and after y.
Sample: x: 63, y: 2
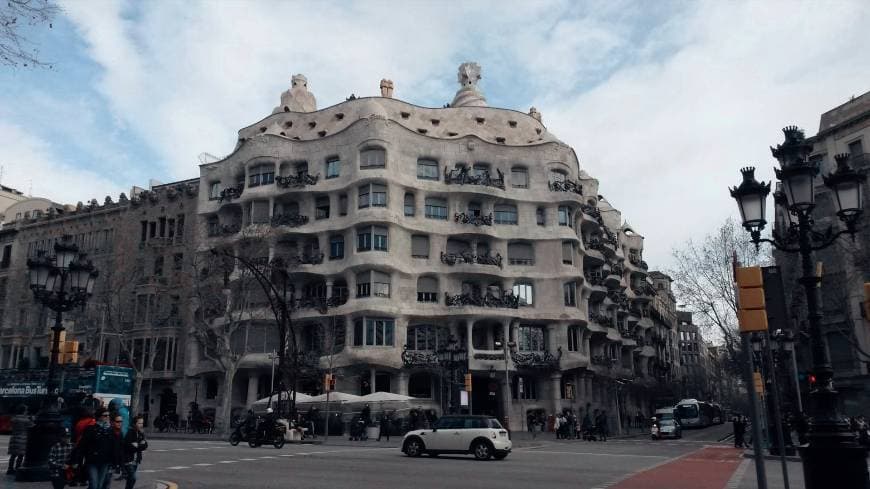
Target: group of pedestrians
x: 592, y: 427
x: 102, y: 443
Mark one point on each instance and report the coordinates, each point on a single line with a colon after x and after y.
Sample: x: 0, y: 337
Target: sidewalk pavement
x: 745, y: 477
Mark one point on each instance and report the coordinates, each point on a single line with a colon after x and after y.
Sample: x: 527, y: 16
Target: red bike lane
x: 707, y: 468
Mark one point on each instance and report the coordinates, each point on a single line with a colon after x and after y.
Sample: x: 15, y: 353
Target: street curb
x: 788, y: 458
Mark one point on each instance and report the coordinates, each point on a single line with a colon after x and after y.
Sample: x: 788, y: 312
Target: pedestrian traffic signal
x: 812, y: 379
x: 467, y: 382
x: 751, y: 315
x: 329, y: 382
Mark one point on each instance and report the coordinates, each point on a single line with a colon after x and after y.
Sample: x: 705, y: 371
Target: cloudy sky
x: 663, y: 101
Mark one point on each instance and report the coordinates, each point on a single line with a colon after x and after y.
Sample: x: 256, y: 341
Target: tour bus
x: 80, y: 386
x: 692, y: 413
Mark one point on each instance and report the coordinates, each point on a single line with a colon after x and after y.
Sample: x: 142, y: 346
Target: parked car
x: 666, y: 428
x: 481, y: 436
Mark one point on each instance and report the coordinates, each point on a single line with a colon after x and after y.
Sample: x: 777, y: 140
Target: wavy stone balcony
x: 475, y: 220
x: 419, y: 358
x: 230, y: 193
x: 471, y: 259
x: 321, y: 304
x: 300, y: 259
x: 466, y: 176
x: 224, y: 230
x: 297, y: 181
x: 507, y: 300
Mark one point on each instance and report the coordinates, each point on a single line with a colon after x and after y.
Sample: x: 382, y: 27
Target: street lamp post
x: 452, y: 358
x: 831, y: 450
x: 61, y: 282
x: 784, y: 343
x: 507, y: 346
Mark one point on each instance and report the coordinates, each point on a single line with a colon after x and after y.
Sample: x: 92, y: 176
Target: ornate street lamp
x: 832, y: 450
x: 61, y: 282
x: 452, y: 358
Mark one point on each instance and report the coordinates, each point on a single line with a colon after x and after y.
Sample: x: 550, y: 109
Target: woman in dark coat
x: 21, y: 423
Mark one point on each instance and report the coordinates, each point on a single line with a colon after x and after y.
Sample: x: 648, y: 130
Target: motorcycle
x: 271, y: 435
x: 242, y: 432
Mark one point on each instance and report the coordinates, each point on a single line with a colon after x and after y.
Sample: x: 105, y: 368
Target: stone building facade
x: 408, y: 226
x: 137, y: 312
x: 844, y: 129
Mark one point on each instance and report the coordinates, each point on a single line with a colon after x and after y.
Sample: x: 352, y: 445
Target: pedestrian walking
x: 588, y: 426
x: 99, y: 451
x: 739, y: 429
x: 601, y: 425
x: 134, y: 444
x: 58, y: 460
x: 385, y: 426
x: 21, y: 424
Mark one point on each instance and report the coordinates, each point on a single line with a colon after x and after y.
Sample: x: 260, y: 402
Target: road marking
x: 287, y: 455
x: 248, y: 459
x: 737, y: 476
x: 228, y: 462
x: 178, y: 467
x: 203, y: 465
x: 267, y: 456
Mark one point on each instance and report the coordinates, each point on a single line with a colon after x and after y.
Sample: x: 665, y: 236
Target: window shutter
x: 420, y: 245
x: 260, y: 211
x: 520, y: 251
x: 364, y: 277
x: 567, y: 252
x: 427, y: 284
x: 380, y: 277
x: 372, y: 157
x: 519, y: 177
x: 505, y: 208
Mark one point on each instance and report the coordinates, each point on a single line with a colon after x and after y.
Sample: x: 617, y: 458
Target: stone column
x: 329, y: 283
x: 403, y: 383
x: 556, y: 391
x: 253, y: 383
x: 372, y: 378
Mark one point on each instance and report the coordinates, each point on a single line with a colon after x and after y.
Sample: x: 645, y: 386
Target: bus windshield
x: 687, y: 411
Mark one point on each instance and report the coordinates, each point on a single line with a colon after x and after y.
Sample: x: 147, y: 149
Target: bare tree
x: 704, y: 280
x: 15, y: 48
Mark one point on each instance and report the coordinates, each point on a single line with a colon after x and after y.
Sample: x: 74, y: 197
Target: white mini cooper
x: 482, y: 436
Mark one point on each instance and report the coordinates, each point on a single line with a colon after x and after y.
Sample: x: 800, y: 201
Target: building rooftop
x: 855, y: 108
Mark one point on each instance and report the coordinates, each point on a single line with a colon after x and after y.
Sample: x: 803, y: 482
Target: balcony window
x: 372, y: 158
x: 427, y: 337
x: 569, y: 291
x: 322, y: 208
x: 372, y: 237
x: 474, y: 209
x: 420, y: 246
x: 427, y: 289
x: 342, y: 205
x: 427, y: 169
x: 540, y: 216
x: 519, y: 177
x: 565, y: 216
x: 364, y: 199
x: 524, y: 387
x: 457, y: 246
x: 436, y: 208
x: 567, y: 253
x: 259, y: 212
x: 410, y: 205
x: 480, y: 169
x: 336, y: 247
x: 373, y: 332
x: 521, y: 254
x: 505, y: 214
x: 573, y: 338
x: 525, y: 292
x: 261, y: 175
x: 558, y: 176
x: 333, y: 168
x: 371, y: 283
x: 531, y: 338
x: 214, y: 190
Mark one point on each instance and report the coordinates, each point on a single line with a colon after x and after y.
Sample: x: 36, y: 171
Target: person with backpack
x: 58, y: 460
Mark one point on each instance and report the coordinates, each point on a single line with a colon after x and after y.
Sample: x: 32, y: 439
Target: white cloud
x: 33, y: 166
x: 663, y: 104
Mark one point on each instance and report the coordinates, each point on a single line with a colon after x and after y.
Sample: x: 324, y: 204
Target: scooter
x: 271, y: 435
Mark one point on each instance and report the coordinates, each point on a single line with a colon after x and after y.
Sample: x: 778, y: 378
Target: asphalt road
x: 540, y: 463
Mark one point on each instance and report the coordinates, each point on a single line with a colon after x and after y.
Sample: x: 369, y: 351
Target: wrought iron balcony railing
x: 600, y: 318
x: 594, y: 278
x: 291, y: 220
x: 230, y: 193
x: 300, y: 180
x: 476, y: 220
x: 536, y: 359
x: 507, y: 300
x: 419, y: 358
x: 603, y: 360
x: 471, y: 258
x: 566, y: 186
x: 321, y: 304
x: 304, y: 259
x: 465, y: 176
x: 224, y: 230
x: 591, y: 211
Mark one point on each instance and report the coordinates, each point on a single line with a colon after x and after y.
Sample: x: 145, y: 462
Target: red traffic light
x: 812, y: 379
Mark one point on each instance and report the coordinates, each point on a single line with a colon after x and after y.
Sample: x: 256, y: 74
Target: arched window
x: 427, y: 289
x: 505, y: 214
x: 436, y: 208
x: 521, y: 254
x: 519, y: 177
x: 372, y: 194
x: 262, y: 174
x: 372, y: 158
x: 427, y: 169
x: 372, y: 282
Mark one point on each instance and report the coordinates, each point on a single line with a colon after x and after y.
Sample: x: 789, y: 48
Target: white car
x: 482, y: 436
x: 666, y: 428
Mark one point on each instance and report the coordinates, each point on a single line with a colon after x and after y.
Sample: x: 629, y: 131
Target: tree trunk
x: 137, y: 391
x: 223, y: 417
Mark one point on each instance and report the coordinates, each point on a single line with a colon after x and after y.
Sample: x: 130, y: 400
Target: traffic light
x: 812, y: 379
x: 866, y: 302
x: 467, y: 382
x: 751, y: 314
x: 329, y: 382
x: 69, y: 352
